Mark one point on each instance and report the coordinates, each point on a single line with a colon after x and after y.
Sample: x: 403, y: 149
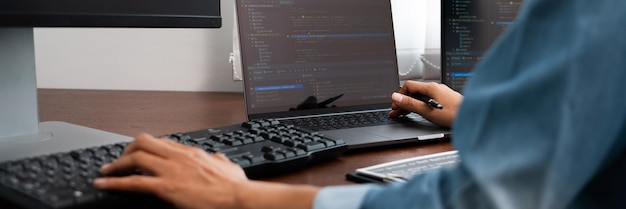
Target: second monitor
x: 468, y: 30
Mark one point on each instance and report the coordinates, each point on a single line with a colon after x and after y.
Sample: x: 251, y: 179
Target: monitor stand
x: 21, y: 133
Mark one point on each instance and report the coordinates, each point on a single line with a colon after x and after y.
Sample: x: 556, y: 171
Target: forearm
x: 257, y: 194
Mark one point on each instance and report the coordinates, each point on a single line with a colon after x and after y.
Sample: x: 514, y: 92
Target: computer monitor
x: 21, y: 133
x: 468, y: 30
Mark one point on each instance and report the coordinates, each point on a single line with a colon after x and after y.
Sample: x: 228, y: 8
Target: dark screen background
x: 469, y: 27
x: 111, y: 13
x: 160, y: 7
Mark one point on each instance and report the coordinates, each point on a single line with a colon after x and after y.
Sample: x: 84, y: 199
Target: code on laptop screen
x: 303, y: 54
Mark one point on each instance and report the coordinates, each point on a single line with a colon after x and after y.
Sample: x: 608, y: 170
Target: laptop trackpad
x: 387, y: 134
x: 353, y: 138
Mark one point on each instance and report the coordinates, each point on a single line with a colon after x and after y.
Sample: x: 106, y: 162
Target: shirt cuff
x: 341, y: 197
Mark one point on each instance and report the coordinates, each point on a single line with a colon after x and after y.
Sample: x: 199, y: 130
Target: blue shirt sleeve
x: 341, y: 197
x: 543, y: 121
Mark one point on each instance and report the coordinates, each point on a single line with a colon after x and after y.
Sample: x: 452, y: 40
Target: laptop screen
x: 304, y: 56
x: 468, y: 30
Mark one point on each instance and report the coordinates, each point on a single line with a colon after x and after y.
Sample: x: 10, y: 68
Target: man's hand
x: 448, y: 98
x: 191, y: 178
x: 186, y: 176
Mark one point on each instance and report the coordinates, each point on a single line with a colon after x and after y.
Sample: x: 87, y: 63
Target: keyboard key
x: 223, y: 149
x: 311, y: 146
x: 248, y: 140
x: 233, y: 142
x: 269, y: 149
x: 297, y: 151
x: 280, y: 139
x: 287, y: 154
x: 251, y: 125
x: 291, y: 143
x: 241, y: 161
x: 274, y: 156
x: 255, y: 159
x: 328, y: 143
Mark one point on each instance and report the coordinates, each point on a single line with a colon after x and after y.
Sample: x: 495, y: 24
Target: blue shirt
x: 542, y: 124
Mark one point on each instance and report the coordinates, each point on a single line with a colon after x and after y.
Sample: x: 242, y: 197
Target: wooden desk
x: 132, y: 112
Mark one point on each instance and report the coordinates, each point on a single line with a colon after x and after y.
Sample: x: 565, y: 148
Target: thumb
x: 409, y: 104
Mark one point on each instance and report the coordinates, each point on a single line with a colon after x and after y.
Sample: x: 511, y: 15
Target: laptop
x: 307, y: 62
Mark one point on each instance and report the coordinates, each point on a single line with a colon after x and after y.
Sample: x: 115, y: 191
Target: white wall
x: 190, y: 59
x: 137, y: 59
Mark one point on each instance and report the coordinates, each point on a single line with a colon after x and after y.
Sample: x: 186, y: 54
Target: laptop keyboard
x: 64, y: 180
x: 352, y: 120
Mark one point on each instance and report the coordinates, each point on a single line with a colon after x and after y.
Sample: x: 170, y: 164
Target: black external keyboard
x: 64, y: 180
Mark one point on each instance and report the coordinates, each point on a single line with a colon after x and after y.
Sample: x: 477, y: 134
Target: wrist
x: 257, y: 194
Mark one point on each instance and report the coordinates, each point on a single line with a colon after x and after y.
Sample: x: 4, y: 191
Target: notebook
x: 324, y: 58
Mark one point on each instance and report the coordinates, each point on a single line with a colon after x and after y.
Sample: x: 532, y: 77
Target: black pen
x: 393, y: 178
x: 426, y: 99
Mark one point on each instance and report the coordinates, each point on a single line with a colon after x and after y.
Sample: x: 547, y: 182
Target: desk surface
x: 158, y: 113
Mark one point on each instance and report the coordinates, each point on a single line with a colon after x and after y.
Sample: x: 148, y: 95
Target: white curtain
x: 235, y: 55
x: 417, y: 27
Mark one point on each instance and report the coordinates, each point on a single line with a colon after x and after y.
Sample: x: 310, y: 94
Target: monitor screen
x: 111, y: 13
x: 468, y: 30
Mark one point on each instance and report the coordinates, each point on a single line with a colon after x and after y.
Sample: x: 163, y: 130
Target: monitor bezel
x: 109, y: 20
